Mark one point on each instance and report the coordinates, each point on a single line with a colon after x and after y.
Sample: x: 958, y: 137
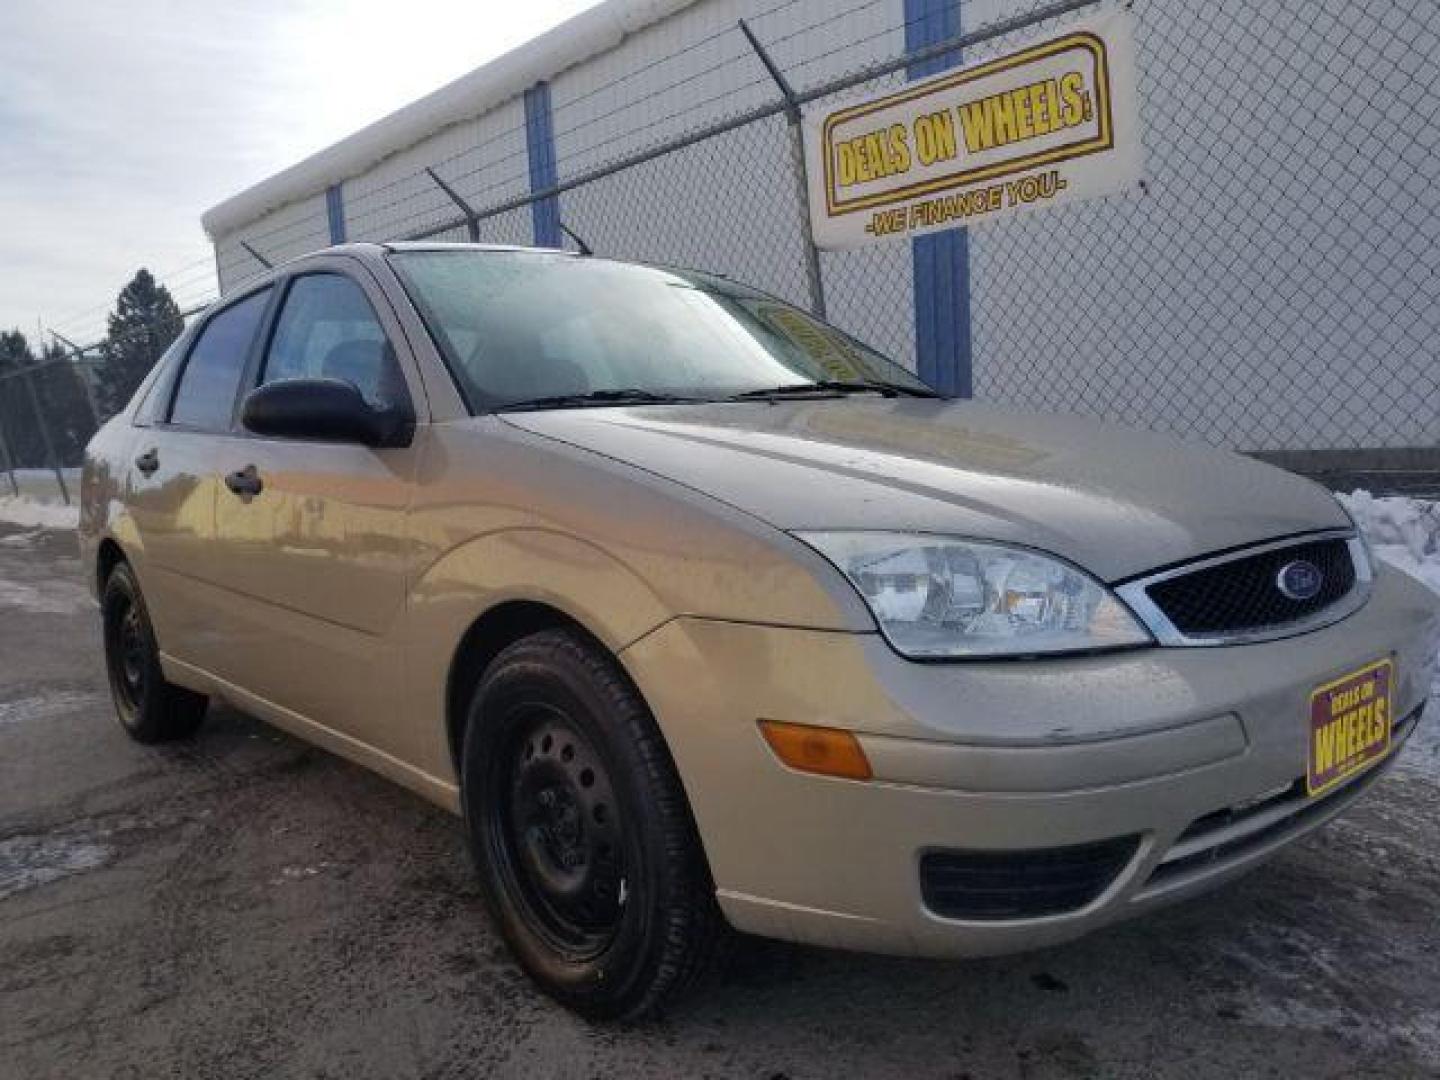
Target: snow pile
x: 32, y: 513
x: 1404, y: 532
x: 31, y: 499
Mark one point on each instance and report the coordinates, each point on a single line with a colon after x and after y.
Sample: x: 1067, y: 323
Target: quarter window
x: 328, y: 330
x: 205, y: 398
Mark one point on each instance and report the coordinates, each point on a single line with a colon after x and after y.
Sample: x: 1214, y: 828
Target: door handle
x: 245, y: 482
x: 149, y: 461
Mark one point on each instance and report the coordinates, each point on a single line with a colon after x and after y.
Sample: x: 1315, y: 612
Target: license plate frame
x: 1350, y: 725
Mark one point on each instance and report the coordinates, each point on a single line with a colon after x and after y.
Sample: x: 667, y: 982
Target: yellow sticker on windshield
x: 815, y: 340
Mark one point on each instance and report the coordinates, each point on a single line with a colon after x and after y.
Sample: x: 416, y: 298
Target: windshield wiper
x: 839, y: 386
x: 623, y: 396
x: 638, y: 396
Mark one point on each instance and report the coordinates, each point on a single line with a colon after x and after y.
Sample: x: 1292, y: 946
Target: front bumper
x: 1003, y: 756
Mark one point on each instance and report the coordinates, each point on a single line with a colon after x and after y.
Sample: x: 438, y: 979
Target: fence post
x: 335, y: 212
x: 261, y: 259
x: 9, y: 460
x: 472, y: 223
x: 82, y: 370
x: 940, y: 260
x: 540, y: 150
x: 83, y: 375
x: 29, y: 380
x: 813, y: 279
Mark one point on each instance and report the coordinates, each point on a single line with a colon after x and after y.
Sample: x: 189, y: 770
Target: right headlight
x: 935, y: 596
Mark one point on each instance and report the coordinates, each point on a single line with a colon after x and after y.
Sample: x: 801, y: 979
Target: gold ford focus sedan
x: 705, y: 615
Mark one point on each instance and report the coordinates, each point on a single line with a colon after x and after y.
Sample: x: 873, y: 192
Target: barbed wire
x: 175, y: 281
x: 559, y: 111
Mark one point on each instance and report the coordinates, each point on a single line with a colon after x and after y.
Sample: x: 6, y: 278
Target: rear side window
x: 205, y: 398
x: 328, y: 330
x: 156, y: 389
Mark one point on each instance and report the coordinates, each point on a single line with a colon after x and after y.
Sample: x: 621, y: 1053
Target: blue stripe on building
x: 941, y: 260
x: 335, y: 211
x: 540, y: 144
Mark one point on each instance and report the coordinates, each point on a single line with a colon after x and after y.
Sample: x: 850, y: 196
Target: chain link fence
x: 47, y: 415
x: 1272, y: 287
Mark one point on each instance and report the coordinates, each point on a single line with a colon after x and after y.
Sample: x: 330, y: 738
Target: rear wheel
x: 587, y: 853
x: 150, y: 709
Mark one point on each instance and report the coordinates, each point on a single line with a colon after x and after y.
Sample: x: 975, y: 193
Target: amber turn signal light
x: 823, y: 750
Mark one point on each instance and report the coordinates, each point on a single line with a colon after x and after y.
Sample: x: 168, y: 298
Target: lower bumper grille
x: 1228, y: 835
x: 991, y: 885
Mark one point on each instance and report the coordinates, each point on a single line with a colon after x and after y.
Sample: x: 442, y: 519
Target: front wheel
x: 587, y: 853
x: 150, y: 709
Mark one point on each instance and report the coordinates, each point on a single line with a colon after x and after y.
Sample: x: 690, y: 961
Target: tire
x: 588, y: 857
x: 150, y: 709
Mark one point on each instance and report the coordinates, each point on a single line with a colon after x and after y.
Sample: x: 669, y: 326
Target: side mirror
x: 326, y: 409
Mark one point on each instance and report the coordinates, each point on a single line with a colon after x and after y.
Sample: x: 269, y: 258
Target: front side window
x: 328, y: 330
x: 205, y: 398
x: 520, y: 326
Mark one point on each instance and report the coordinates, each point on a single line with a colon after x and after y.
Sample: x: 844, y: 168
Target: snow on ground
x: 46, y: 596
x: 1406, y: 533
x: 34, y: 513
x: 31, y: 498
x: 28, y: 861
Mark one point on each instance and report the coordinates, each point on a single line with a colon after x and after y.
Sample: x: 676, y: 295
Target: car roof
x: 369, y: 252
x: 444, y: 245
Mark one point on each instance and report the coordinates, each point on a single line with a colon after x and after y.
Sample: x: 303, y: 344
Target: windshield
x: 518, y: 327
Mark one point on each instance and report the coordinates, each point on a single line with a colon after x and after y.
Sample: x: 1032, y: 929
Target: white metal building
x: 1271, y: 288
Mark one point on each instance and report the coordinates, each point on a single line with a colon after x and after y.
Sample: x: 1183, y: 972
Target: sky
x: 121, y: 122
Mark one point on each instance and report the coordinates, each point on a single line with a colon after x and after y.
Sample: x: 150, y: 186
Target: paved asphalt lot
x: 247, y: 906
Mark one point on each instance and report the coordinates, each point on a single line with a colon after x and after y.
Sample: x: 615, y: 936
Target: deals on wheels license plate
x: 1349, y: 725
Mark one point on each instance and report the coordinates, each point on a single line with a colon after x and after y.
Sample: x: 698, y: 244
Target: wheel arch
x: 489, y: 635
x: 497, y: 588
x: 108, y: 555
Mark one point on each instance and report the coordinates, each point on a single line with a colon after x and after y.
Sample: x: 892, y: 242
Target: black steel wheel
x: 150, y: 708
x: 560, y: 831
x: 129, y: 676
x: 586, y: 849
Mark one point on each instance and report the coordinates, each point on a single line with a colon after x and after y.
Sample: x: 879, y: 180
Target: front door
x: 313, y: 533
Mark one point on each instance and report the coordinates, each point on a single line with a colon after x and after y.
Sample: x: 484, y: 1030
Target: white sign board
x: 1043, y: 125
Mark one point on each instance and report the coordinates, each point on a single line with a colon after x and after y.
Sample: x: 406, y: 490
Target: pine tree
x: 142, y: 326
x: 14, y: 351
x: 64, y: 404
x: 19, y: 424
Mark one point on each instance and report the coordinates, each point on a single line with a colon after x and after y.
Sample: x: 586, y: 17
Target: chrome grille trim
x: 1135, y: 595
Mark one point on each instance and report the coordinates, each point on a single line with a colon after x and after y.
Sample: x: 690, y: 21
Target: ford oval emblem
x: 1299, y: 580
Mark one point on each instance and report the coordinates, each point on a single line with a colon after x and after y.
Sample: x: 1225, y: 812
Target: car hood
x: 1116, y: 502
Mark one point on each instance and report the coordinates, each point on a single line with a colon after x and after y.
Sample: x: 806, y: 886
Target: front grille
x: 1242, y: 595
x: 988, y: 885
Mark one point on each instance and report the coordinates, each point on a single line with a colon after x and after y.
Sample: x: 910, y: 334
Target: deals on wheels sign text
x: 1051, y: 122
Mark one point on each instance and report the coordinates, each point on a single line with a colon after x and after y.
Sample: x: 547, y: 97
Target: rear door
x: 171, y: 484
x: 317, y: 561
